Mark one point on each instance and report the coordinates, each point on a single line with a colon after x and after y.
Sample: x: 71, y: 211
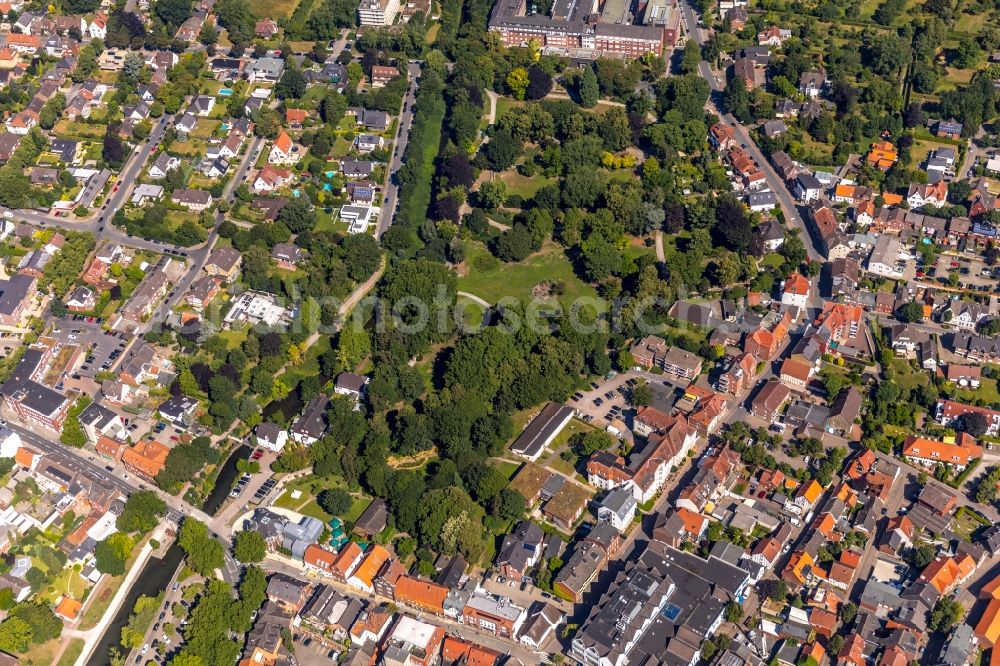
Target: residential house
x: 224, y: 263
x: 312, y: 423
x: 283, y: 151
x: 194, y: 200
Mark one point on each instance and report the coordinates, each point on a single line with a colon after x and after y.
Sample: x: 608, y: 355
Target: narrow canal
x: 224, y: 482
x: 154, y: 578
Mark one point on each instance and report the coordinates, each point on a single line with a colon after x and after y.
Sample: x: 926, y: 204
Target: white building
x: 885, y: 260
x: 378, y: 12
x: 618, y: 508
x: 255, y: 307
x: 359, y: 218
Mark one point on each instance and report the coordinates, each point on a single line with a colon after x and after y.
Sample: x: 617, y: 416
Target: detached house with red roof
x: 796, y: 291
x: 283, y: 151
x: 271, y: 179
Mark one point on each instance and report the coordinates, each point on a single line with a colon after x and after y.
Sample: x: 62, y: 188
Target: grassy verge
x: 418, y: 166
x: 71, y: 653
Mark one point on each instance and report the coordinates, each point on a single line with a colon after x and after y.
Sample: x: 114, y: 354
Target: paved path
x: 473, y: 297
x: 91, y: 635
x: 493, y: 105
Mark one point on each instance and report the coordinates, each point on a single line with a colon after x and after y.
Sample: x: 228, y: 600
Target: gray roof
x: 374, y: 518
x: 541, y: 429
x: 619, y: 501
x: 13, y: 291
x: 283, y: 587
x: 97, y: 416
x: 312, y: 422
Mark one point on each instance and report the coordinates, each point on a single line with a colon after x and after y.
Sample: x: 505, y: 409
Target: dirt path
x: 660, y: 255
x: 411, y: 462
x: 359, y: 292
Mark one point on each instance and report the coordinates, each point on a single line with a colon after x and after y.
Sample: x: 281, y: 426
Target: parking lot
x: 972, y: 273
x: 103, y: 349
x: 310, y: 651
x: 606, y: 400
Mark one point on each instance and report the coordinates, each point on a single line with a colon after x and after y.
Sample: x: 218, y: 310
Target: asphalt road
x: 774, y: 182
x: 391, y: 198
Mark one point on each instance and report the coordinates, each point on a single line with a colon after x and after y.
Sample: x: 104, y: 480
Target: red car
x: 174, y: 438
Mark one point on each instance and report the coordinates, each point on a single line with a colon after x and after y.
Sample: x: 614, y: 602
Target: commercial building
x: 497, y: 615
x: 666, y: 604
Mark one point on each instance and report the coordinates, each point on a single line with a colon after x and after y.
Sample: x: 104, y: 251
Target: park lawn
x: 508, y: 467
x: 505, y: 104
x: 192, y: 148
x: 987, y: 391
x: 357, y: 508
x: 105, y: 592
x: 772, y: 261
x: 524, y: 186
x: 518, y: 279
x: 906, y: 377
x: 433, y: 33
x: 312, y: 508
x: 234, y: 337
x: 955, y: 77
x: 471, y: 312
x: 966, y: 523
x: 637, y: 248
x: 42, y: 655
x: 329, y: 222
x: 72, y: 651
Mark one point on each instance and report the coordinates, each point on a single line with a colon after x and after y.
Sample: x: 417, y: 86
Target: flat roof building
x: 541, y: 431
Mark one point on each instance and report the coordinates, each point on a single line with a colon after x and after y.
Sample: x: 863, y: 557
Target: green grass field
x: 987, y: 392
x: 523, y: 185
x: 72, y: 652
x: 518, y: 279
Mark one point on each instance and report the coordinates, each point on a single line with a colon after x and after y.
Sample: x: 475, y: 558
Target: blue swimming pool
x: 326, y: 186
x: 329, y: 174
x: 226, y: 92
x: 295, y: 193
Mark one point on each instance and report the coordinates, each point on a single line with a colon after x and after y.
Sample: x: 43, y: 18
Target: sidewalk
x: 91, y: 635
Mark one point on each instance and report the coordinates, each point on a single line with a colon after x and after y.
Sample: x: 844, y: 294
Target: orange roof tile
x: 346, y: 558
x: 68, y: 608
x: 420, y: 593
x: 319, y: 557
x: 25, y: 457
x: 797, y: 284
x: 147, y: 457
x: 955, y: 454
x: 988, y: 627
x: 284, y: 142
x: 369, y: 567
x: 797, y: 369
x: 811, y: 491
